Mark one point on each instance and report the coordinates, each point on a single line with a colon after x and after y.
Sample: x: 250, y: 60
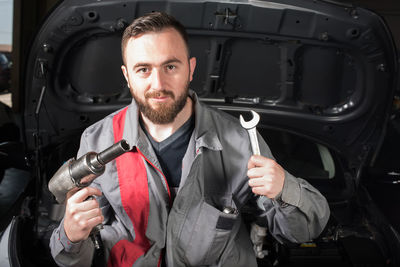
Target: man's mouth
x: 159, y: 96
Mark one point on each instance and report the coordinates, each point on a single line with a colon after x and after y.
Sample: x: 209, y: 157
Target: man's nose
x: 157, y: 80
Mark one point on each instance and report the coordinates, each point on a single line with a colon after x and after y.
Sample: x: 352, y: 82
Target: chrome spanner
x: 258, y: 233
x: 250, y: 126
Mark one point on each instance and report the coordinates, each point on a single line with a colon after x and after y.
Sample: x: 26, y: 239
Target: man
x: 178, y: 195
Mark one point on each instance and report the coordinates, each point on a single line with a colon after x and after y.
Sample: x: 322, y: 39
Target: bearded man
x: 177, y: 197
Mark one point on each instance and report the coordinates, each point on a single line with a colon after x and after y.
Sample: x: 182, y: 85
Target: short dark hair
x: 152, y: 22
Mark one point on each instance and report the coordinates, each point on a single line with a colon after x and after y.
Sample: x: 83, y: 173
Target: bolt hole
x: 353, y: 33
x: 91, y: 15
x: 297, y: 21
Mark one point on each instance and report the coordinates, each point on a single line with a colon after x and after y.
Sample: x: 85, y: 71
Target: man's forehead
x: 168, y: 33
x: 167, y: 40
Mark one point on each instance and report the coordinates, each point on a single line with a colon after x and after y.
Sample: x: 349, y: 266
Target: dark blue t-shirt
x: 170, y: 152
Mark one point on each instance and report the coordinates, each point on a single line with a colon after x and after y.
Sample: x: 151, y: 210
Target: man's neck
x: 160, y: 132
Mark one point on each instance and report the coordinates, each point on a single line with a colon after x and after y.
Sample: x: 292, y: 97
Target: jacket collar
x: 205, y: 126
x: 204, y: 132
x: 132, y: 127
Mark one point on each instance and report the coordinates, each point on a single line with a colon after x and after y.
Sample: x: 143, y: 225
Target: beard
x: 162, y: 113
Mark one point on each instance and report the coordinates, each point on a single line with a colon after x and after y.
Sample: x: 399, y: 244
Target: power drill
x: 81, y: 173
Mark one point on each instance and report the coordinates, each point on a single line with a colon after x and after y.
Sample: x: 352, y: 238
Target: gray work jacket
x: 193, y: 231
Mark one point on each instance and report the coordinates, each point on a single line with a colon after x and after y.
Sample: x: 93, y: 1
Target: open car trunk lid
x: 316, y: 68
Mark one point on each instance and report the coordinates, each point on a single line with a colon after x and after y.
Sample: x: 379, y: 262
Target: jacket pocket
x: 209, y: 236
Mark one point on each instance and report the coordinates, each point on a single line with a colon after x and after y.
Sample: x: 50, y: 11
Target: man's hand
x: 266, y: 176
x: 80, y: 215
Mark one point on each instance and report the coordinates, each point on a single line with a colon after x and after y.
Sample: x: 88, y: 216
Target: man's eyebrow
x: 168, y: 61
x: 172, y: 60
x: 141, y: 64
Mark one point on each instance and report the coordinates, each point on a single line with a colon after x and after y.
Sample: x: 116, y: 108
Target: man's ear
x: 192, y: 64
x: 125, y: 72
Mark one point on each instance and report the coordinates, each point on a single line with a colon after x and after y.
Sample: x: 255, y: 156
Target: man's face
x: 158, y: 72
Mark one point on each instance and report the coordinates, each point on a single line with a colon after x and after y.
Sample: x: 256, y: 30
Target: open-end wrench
x: 250, y: 126
x: 258, y: 233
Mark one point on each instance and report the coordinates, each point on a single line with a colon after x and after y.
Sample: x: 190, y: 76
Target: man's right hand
x: 80, y: 215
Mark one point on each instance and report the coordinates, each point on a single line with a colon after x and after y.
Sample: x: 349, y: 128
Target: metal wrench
x: 250, y: 126
x: 258, y: 233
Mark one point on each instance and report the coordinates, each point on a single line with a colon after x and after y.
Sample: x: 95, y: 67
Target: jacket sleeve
x: 67, y: 253
x: 299, y: 213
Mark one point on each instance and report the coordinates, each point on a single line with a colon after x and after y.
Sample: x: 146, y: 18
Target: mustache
x: 160, y: 93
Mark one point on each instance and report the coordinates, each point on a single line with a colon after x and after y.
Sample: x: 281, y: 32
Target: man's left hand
x: 266, y: 176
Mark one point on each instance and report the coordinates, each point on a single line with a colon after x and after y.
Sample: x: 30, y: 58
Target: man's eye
x: 171, y: 67
x: 143, y: 70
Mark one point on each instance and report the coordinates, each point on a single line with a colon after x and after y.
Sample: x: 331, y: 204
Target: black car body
x: 322, y: 75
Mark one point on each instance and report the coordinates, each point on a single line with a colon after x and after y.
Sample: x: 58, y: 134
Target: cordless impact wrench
x: 81, y: 172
